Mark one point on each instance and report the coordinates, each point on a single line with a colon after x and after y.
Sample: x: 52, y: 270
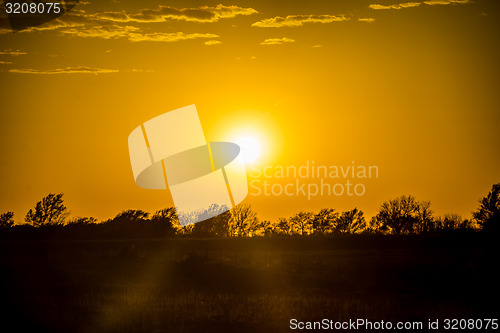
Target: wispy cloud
x: 115, y: 25
x: 167, y: 37
x: 417, y: 4
x: 133, y: 34
x: 298, y: 20
x: 166, y: 13
x: 67, y: 70
x: 13, y: 52
x: 5, y: 62
x: 79, y: 26
x: 367, y: 19
x: 277, y: 41
x: 396, y: 6
x: 446, y: 2
x: 137, y: 70
x: 213, y: 42
x: 105, y: 32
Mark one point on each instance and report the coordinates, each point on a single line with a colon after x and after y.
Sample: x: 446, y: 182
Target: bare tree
x: 303, y: 222
x: 262, y: 228
x: 424, y: 216
x: 243, y: 220
x: 453, y: 222
x: 352, y: 221
x: 324, y: 220
x: 399, y: 215
x: 283, y: 226
x: 448, y: 222
x: 49, y: 211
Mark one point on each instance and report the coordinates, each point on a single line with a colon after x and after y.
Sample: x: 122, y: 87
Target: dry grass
x: 243, y: 286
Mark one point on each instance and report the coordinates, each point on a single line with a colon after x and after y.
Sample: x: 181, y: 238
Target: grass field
x: 244, y: 285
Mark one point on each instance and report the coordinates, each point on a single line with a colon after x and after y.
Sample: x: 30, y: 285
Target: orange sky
x: 408, y: 87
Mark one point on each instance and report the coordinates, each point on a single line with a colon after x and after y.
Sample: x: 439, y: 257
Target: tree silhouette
x: 403, y: 214
x: 400, y: 215
x: 216, y: 226
x: 199, y: 215
x: 131, y: 215
x: 220, y: 224
x: 283, y: 226
x: 452, y: 222
x: 260, y: 228
x: 6, y: 220
x: 324, y: 220
x: 352, y: 221
x: 166, y: 219
x: 49, y: 211
x: 265, y: 228
x: 303, y: 222
x: 243, y: 220
x: 424, y: 216
x: 488, y: 213
x: 82, y: 221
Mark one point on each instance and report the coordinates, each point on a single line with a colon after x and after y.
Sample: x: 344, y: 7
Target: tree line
x: 402, y: 215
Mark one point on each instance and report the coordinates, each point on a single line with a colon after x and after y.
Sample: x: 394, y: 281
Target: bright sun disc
x: 250, y: 149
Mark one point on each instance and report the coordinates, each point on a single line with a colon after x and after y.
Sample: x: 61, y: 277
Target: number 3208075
x: 33, y: 8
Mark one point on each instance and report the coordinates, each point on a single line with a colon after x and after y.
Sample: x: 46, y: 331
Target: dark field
x: 244, y: 285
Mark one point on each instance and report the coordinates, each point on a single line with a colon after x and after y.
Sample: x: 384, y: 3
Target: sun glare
x: 250, y: 149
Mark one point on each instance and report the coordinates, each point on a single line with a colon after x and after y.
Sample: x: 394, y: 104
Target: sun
x: 250, y: 149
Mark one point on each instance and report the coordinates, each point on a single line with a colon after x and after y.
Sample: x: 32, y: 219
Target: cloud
x: 80, y: 18
x: 416, y: 4
x: 73, y: 19
x: 277, y: 41
x: 67, y: 70
x: 138, y: 70
x: 212, y: 42
x: 298, y: 20
x: 165, y: 13
x: 366, y: 19
x: 167, y: 37
x: 80, y: 24
x: 396, y: 6
x: 13, y: 52
x: 105, y: 32
x: 133, y: 34
x: 5, y: 62
x: 446, y: 2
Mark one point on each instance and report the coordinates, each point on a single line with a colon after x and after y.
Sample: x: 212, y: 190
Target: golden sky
x: 410, y: 87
